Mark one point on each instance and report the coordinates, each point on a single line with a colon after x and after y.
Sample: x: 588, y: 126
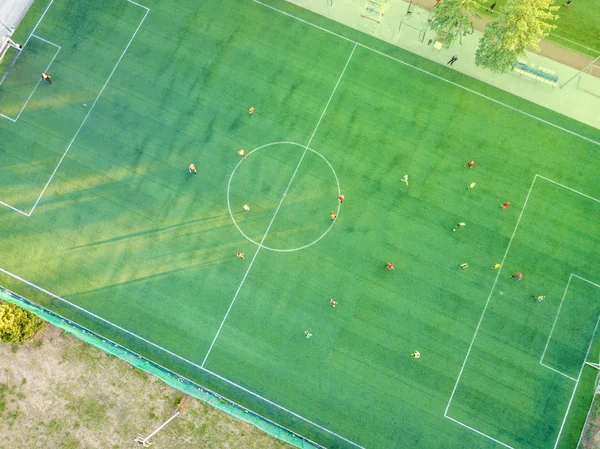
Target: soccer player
x: 471, y: 164
x: 246, y: 208
x: 242, y: 153
x: 539, y: 298
x: 251, y: 111
x: 470, y: 186
x: 496, y: 266
x: 416, y: 354
x: 46, y: 77
x: 341, y: 199
x: 464, y: 265
x: 518, y: 276
x: 192, y: 169
x: 333, y: 303
x: 390, y: 266
x: 459, y: 225
x: 405, y: 179
x: 333, y: 215
x: 307, y: 334
x: 240, y: 256
x: 505, y: 205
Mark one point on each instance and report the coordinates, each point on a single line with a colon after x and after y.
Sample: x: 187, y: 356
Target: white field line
x: 556, y: 318
x: 486, y: 305
x: 430, y: 74
x: 558, y: 372
x: 577, y: 192
x: 489, y: 297
x: 183, y: 359
x: 27, y: 40
x: 586, y: 280
x: 479, y: 432
x: 280, y: 407
x: 39, y: 79
x: 587, y: 417
x: 91, y: 108
x: 337, y: 181
x: 45, y: 40
x: 137, y: 4
x: 576, y: 383
x: 277, y: 209
x: 193, y: 382
x: 8, y: 118
x: 14, y: 208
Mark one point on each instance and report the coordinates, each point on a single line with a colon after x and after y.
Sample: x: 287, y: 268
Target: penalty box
x: 80, y: 76
x: 522, y: 369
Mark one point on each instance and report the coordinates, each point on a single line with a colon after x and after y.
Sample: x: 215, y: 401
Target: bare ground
x: 58, y: 392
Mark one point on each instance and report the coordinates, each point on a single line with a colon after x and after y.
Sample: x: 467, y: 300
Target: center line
x: 278, y: 207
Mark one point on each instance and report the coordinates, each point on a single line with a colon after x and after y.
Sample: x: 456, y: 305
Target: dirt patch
x: 548, y: 49
x: 58, y: 392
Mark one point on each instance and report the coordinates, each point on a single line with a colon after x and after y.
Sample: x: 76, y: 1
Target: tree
x: 452, y: 19
x: 521, y: 24
x: 17, y: 325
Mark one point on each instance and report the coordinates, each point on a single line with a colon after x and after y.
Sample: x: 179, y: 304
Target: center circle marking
x: 304, y: 147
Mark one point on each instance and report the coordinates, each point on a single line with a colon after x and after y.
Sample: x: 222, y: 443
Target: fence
x: 174, y: 380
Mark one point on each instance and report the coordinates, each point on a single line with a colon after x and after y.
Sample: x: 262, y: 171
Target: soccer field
x: 101, y: 222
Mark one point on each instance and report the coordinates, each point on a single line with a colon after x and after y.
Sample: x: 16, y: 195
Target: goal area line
x: 147, y: 10
x: 46, y: 69
x: 572, y: 275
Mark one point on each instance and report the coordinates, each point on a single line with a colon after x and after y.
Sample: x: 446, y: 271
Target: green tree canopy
x: 17, y: 325
x: 521, y: 24
x: 452, y: 19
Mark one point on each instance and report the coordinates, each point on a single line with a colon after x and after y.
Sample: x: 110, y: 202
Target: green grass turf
x: 579, y: 24
x: 125, y: 232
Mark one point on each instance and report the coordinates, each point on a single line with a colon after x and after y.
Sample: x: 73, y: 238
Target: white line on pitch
x: 586, y: 280
x: 429, y: 73
x: 490, y: 296
x: 26, y: 42
x: 558, y: 372
x: 134, y: 335
x: 282, y: 408
x: 277, y: 209
x: 478, y: 431
x: 576, y: 384
x: 569, y: 188
x: 8, y: 118
x: 45, y: 40
x: 89, y: 112
x: 14, y: 208
x: 556, y: 318
x: 137, y: 4
x: 37, y: 85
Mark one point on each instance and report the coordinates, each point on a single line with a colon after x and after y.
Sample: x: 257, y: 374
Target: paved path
x: 548, y: 49
x: 579, y: 100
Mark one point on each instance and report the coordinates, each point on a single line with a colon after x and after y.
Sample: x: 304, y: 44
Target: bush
x: 17, y: 325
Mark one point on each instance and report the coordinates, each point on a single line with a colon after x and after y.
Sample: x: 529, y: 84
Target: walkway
x: 579, y: 100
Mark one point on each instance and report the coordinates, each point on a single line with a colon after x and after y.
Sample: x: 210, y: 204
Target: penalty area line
x: 92, y: 107
x: 478, y: 432
x: 462, y: 368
